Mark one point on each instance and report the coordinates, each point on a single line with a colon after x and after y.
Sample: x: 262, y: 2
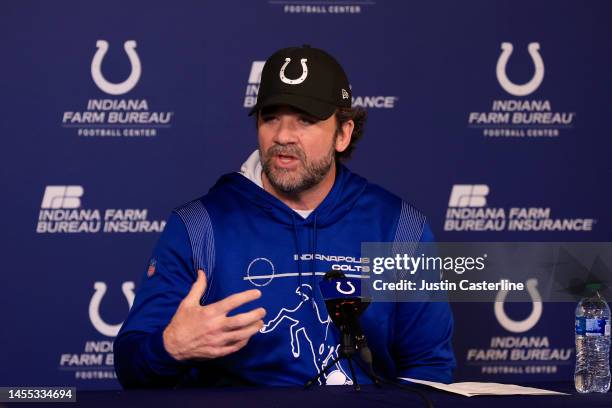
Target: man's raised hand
x: 206, y: 332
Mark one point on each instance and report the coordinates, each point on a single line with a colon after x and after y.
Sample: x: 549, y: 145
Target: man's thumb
x: 197, y: 289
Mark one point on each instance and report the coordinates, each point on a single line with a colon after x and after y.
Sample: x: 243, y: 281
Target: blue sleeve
x: 140, y: 357
x: 422, y: 336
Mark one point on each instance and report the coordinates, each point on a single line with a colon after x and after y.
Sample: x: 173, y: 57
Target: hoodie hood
x: 347, y: 189
x: 252, y: 168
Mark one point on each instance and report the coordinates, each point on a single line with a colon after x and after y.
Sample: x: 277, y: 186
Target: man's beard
x: 303, y: 177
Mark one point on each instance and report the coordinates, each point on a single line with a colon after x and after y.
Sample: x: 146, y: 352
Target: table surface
x: 331, y: 396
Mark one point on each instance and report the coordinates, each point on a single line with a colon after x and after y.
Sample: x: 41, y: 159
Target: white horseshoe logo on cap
x: 110, y: 330
x: 534, y: 82
x: 122, y: 87
x: 520, y: 326
x: 294, y: 81
x: 345, y: 292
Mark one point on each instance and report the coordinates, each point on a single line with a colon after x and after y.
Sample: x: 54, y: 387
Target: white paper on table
x: 470, y: 389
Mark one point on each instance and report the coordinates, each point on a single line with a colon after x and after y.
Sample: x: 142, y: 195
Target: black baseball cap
x: 305, y: 78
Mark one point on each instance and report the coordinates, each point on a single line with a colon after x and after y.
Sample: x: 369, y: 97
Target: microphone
x: 345, y: 305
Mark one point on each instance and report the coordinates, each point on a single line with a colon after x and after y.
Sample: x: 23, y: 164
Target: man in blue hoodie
x: 231, y: 293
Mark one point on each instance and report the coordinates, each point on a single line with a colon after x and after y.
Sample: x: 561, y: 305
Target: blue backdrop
x: 96, y: 152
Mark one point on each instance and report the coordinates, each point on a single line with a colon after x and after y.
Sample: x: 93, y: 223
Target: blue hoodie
x: 245, y: 238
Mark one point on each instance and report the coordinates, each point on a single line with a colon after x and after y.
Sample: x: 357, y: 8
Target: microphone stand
x: 348, y: 349
x: 349, y: 345
x: 345, y: 315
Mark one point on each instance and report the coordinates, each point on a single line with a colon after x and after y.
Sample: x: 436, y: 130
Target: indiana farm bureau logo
x: 513, y: 349
x: 120, y: 112
x: 61, y: 212
x: 468, y: 210
x: 525, y: 112
x: 95, y: 361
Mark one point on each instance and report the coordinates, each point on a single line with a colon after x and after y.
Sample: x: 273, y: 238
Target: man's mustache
x: 286, y: 150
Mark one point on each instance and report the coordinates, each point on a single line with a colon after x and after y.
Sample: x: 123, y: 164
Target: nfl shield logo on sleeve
x: 151, y: 269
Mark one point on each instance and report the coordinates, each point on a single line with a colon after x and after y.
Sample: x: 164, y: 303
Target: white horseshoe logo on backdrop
x: 294, y: 81
x: 521, y: 325
x: 534, y: 82
x: 122, y: 87
x: 345, y: 292
x: 110, y: 330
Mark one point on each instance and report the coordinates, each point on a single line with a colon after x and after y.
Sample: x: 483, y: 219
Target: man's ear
x: 343, y: 138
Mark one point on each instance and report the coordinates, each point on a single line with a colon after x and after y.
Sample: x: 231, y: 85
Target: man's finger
x: 223, y: 351
x: 244, y: 319
x: 197, y: 289
x: 245, y: 333
x: 232, y: 302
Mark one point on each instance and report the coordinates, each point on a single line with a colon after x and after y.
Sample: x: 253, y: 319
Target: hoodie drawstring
x: 298, y: 251
x: 314, y: 260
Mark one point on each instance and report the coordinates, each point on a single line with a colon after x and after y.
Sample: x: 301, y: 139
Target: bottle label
x: 592, y: 327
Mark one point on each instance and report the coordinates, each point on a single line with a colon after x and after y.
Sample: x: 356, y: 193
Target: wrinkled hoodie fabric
x: 245, y: 238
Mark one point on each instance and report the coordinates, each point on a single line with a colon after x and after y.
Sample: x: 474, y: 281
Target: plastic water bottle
x: 592, y: 372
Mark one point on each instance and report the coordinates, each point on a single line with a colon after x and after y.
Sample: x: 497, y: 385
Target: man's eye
x: 268, y: 118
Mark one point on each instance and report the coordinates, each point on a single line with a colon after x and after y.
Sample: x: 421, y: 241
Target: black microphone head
x: 343, y: 299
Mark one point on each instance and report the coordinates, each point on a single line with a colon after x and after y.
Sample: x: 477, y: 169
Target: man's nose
x: 286, y: 132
